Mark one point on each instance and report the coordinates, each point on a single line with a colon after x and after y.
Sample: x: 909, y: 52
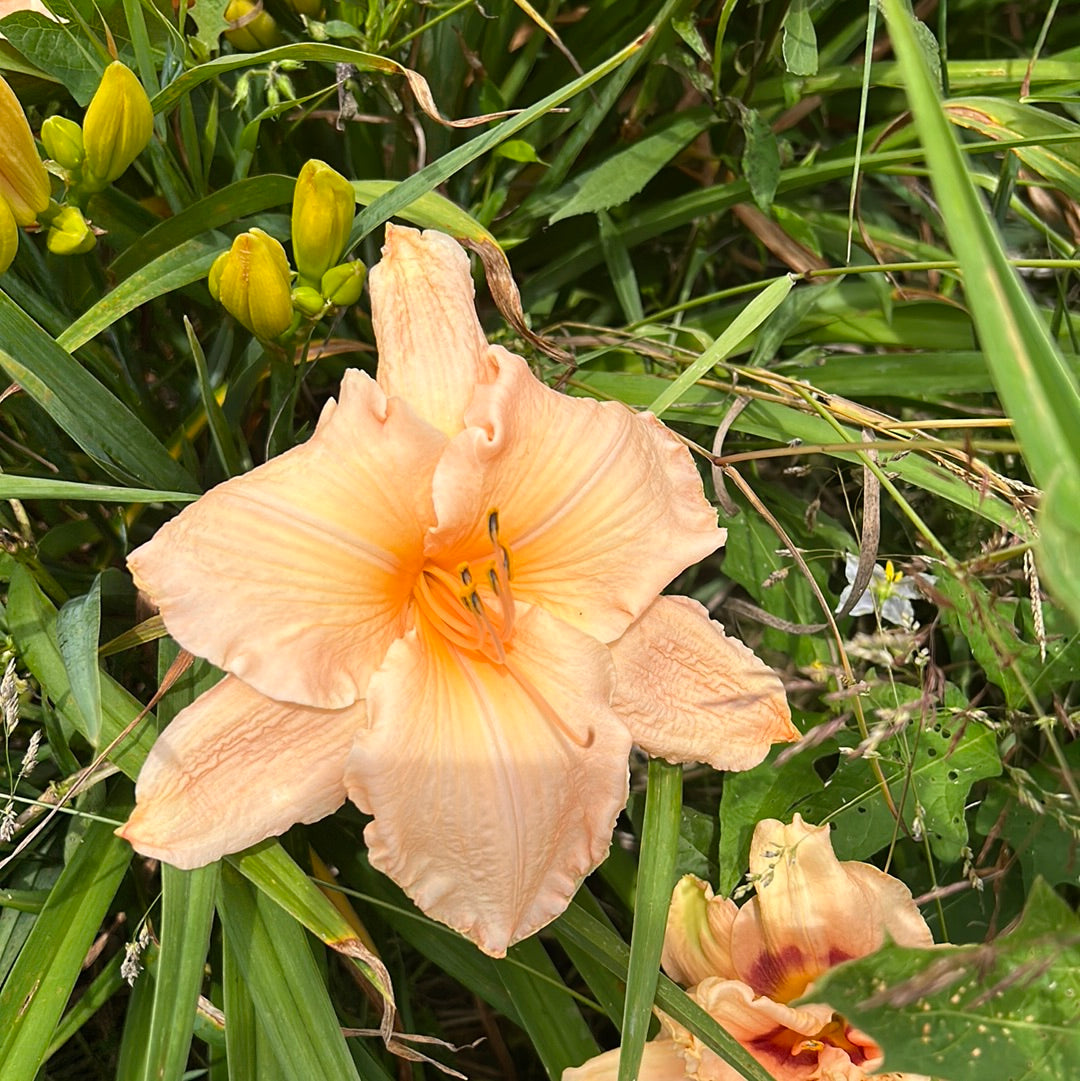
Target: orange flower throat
x: 472, y: 607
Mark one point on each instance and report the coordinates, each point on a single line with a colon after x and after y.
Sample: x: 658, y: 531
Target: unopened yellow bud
x: 322, y: 215
x: 342, y: 285
x: 253, y: 29
x: 251, y: 280
x: 9, y: 236
x: 63, y: 141
x: 117, y: 126
x: 69, y: 234
x: 24, y: 183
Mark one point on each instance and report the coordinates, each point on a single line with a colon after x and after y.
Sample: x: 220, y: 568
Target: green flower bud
x: 251, y: 281
x: 309, y: 301
x: 253, y: 29
x: 342, y: 285
x: 9, y: 236
x: 117, y: 126
x: 69, y: 234
x: 322, y: 215
x: 24, y: 183
x: 63, y: 141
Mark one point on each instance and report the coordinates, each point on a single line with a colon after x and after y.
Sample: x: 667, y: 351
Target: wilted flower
x: 444, y: 607
x: 118, y: 124
x: 890, y: 593
x: 322, y: 215
x: 24, y: 183
x: 252, y: 281
x: 745, y: 965
x: 69, y: 233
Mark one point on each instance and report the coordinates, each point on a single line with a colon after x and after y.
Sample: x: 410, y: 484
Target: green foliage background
x: 666, y: 168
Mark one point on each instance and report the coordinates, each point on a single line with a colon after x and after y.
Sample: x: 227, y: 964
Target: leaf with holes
x: 929, y: 767
x: 1005, y: 1011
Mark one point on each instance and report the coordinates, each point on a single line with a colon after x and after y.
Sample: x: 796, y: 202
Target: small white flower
x: 889, y: 594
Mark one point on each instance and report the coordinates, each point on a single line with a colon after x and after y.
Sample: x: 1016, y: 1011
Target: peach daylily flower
x: 444, y: 607
x: 745, y: 965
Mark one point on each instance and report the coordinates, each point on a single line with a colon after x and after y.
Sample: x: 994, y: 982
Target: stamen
x: 461, y: 630
x: 499, y: 573
x: 549, y: 714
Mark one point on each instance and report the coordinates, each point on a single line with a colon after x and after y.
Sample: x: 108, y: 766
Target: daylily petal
x: 811, y: 911
x: 661, y: 1061
x: 770, y: 1031
x: 598, y: 506
x: 296, y: 576
x: 697, y: 941
x: 494, y: 788
x: 234, y: 768
x: 432, y: 349
x: 691, y: 694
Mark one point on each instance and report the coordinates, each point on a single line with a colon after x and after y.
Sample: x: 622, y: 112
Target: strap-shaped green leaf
x: 38, y: 987
x: 102, y: 425
x: 1036, y: 387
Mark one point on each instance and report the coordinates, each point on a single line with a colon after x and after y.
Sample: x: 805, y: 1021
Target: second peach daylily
x: 444, y: 606
x: 745, y: 966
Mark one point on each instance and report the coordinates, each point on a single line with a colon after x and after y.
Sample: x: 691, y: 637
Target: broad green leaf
x: 37, y: 989
x: 656, y: 879
x: 518, y: 150
x: 105, y: 428
x: 58, y: 50
x: 1006, y: 1010
x: 1036, y: 387
x: 990, y: 635
x: 760, y: 158
x: 766, y: 791
x: 800, y: 40
x: 626, y: 172
x: 280, y: 973
x: 210, y: 23
x: 78, y: 628
x: 929, y: 768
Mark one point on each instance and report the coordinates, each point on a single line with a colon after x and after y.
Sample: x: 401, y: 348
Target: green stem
x: 659, y: 841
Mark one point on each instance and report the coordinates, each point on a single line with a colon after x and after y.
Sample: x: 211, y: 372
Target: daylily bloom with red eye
x: 444, y: 606
x: 746, y: 965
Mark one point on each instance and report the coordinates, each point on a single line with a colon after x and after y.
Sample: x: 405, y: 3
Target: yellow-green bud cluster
x: 253, y: 279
